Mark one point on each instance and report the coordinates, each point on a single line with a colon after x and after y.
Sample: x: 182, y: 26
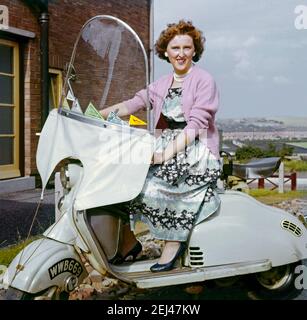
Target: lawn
x: 7, y: 254
x: 295, y: 165
x: 272, y: 196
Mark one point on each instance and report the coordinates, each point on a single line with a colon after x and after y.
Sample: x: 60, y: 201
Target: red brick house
x: 30, y: 78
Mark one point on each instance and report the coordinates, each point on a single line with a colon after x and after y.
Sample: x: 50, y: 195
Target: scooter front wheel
x: 49, y: 294
x: 277, y: 283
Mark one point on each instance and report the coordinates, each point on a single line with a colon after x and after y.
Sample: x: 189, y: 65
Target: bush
x: 249, y: 152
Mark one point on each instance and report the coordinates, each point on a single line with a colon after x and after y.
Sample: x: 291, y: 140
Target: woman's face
x: 180, y: 52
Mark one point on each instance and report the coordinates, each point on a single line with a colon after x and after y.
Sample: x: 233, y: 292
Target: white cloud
x: 232, y: 42
x: 259, y: 78
x: 243, y: 65
x: 251, y: 41
x: 281, y: 80
x: 244, y: 68
x: 223, y: 42
x: 239, y: 47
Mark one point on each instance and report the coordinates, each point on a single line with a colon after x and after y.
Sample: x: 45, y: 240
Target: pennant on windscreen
x: 70, y: 96
x: 91, y: 111
x: 134, y: 121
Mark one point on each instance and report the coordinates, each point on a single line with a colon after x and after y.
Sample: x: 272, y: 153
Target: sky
x: 253, y: 50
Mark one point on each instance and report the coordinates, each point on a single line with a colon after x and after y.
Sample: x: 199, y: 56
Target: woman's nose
x: 181, y: 52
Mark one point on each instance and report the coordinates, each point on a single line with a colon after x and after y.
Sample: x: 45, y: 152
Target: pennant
x: 76, y: 107
x: 70, y: 96
x: 134, y: 121
x: 91, y: 111
x: 65, y: 104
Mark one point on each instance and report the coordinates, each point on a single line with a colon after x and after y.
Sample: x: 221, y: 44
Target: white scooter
x: 108, y: 164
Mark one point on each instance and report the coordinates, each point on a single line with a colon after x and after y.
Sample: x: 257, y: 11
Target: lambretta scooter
x: 108, y: 161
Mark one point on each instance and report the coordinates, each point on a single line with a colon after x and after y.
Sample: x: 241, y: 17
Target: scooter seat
x: 260, y: 168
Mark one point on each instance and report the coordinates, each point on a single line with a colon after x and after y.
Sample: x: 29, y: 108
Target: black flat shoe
x: 119, y: 259
x: 170, y: 265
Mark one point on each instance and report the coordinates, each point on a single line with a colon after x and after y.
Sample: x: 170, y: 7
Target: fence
x: 282, y: 180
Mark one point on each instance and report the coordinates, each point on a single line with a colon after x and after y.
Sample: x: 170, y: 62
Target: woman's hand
x: 122, y: 110
x: 104, y: 113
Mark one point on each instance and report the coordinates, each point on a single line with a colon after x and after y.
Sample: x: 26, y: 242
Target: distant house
x: 31, y: 74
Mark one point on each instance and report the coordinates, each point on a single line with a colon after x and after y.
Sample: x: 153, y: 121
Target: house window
x: 9, y: 109
x: 55, y: 88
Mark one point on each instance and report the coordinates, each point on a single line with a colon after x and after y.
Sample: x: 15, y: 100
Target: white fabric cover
x: 115, y: 161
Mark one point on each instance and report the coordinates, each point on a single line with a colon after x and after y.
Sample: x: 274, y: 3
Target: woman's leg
x: 169, y: 251
x: 128, y: 244
x: 128, y: 240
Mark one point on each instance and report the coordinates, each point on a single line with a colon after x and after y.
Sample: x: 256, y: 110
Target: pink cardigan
x: 200, y: 99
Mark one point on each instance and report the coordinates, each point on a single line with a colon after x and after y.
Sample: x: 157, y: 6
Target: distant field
x: 296, y: 165
x: 298, y: 144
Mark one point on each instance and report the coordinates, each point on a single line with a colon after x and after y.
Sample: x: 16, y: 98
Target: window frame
x: 59, y: 85
x: 13, y: 170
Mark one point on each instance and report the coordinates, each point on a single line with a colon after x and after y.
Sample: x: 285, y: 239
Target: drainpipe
x: 40, y: 10
x: 151, y: 40
x: 44, y: 56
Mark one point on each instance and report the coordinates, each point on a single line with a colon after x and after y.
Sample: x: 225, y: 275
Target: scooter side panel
x: 42, y: 264
x: 246, y: 230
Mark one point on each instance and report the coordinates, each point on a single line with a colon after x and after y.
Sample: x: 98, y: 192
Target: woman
x: 180, y: 187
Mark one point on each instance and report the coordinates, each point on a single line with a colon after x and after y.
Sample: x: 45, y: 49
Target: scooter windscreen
x: 108, y: 66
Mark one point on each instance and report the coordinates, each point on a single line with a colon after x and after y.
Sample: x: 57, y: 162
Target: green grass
x: 8, y: 254
x: 272, y: 196
x: 295, y: 165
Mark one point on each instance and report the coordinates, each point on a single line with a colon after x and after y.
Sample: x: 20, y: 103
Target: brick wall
x: 20, y: 16
x: 66, y: 20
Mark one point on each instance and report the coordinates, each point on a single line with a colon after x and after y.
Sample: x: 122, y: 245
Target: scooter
x: 106, y: 164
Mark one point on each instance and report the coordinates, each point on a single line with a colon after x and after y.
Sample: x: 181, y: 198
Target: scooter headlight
x: 69, y: 175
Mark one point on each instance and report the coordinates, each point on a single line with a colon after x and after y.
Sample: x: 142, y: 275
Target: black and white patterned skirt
x: 179, y: 193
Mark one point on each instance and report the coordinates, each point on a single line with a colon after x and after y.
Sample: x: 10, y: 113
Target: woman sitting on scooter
x: 179, y: 190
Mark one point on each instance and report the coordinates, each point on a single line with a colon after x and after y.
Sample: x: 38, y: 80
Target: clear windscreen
x: 107, y: 67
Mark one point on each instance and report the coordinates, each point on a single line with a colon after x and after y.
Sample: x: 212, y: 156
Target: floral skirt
x: 179, y: 193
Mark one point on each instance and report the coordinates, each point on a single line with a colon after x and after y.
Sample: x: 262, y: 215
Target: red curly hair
x: 180, y: 28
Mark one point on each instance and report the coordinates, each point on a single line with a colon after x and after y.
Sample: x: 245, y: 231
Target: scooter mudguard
x: 45, y: 263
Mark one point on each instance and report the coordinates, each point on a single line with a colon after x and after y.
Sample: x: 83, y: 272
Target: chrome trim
x: 100, y: 123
